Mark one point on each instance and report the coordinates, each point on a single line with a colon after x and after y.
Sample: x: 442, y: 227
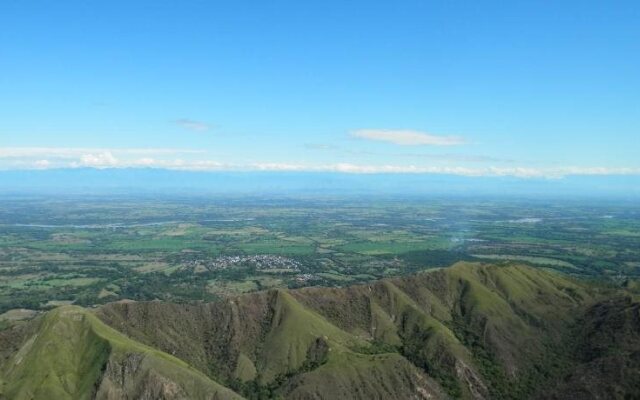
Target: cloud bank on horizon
x: 42, y: 158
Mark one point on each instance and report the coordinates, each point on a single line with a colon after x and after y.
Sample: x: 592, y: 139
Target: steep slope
x: 469, y: 331
x: 605, y: 354
x: 73, y: 355
x: 348, y: 375
x: 479, y: 330
x: 268, y: 344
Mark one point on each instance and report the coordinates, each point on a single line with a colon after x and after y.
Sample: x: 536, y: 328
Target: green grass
x: 286, y: 345
x: 383, y: 248
x: 350, y: 375
x: 231, y: 287
x: 531, y: 259
x: 64, y: 360
x: 335, y: 277
x: 160, y: 244
x: 275, y: 247
x: 70, y: 282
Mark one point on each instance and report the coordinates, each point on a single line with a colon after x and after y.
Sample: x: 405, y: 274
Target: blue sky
x: 523, y: 88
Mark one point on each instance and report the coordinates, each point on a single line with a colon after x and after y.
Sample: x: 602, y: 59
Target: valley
x: 95, y: 251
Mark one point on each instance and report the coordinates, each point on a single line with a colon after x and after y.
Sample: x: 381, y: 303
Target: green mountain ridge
x: 472, y: 331
x: 74, y: 355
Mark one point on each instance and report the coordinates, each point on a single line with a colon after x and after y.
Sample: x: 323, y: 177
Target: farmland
x: 95, y: 250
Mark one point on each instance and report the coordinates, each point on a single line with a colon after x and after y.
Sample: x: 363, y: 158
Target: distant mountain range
x: 147, y: 180
x: 471, y: 331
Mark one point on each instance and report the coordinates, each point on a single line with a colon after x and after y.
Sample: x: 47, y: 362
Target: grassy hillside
x: 477, y: 330
x: 73, y: 355
x: 469, y: 331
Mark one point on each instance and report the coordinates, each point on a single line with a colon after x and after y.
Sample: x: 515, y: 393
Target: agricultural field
x: 90, y: 251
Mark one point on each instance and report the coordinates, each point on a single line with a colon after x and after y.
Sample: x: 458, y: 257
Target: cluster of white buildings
x: 263, y: 262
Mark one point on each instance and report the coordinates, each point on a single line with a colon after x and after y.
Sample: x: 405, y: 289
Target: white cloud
x: 194, y: 160
x: 197, y: 126
x: 407, y: 137
x: 74, y: 157
x: 145, y: 162
x: 98, y: 160
x: 369, y: 169
x: 42, y: 164
x: 75, y: 152
x: 519, y: 172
